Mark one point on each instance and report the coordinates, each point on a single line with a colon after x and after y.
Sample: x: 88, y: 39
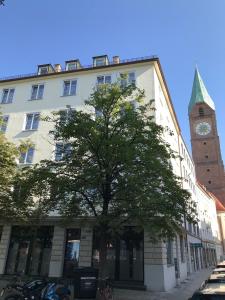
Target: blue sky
x: 181, y: 32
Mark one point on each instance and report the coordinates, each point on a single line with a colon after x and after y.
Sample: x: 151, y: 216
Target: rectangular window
x: 69, y: 87
x: 37, y: 91
x: 182, y: 248
x: 3, y: 123
x: 27, y: 157
x: 169, y: 251
x: 7, y: 96
x: 103, y: 79
x: 127, y: 78
x: 72, y: 251
x: 30, y: 250
x: 100, y: 61
x: 32, y: 121
x: 43, y: 70
x: 62, y: 151
x: 71, y: 66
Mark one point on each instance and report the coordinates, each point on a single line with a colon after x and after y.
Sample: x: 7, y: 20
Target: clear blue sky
x: 181, y: 32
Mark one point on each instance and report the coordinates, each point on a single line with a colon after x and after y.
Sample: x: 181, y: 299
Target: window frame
x: 7, y: 98
x: 104, y: 77
x: 63, y: 88
x: 26, y: 156
x: 4, y: 123
x: 126, y: 81
x: 32, y: 122
x: 38, y: 85
x: 62, y: 155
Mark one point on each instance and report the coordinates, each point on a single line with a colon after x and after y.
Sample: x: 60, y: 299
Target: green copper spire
x: 199, y: 93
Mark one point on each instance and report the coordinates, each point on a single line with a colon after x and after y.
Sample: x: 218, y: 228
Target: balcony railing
x: 124, y: 61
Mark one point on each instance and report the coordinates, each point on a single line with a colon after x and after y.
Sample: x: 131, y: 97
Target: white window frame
x: 98, y: 59
x: 71, y: 63
x: 42, y: 68
x: 104, y: 76
x: 62, y: 155
x: 38, y: 85
x: 7, y: 98
x: 4, y: 123
x: 26, y: 156
x: 70, y: 80
x: 127, y: 78
x: 32, y: 122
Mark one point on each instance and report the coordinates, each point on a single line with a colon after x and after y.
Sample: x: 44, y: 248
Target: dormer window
x: 45, y: 69
x: 72, y: 65
x: 100, y: 61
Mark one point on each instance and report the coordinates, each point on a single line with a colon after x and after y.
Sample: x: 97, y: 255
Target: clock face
x: 203, y: 128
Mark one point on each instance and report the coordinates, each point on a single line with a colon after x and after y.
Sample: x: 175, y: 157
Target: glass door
x: 131, y: 255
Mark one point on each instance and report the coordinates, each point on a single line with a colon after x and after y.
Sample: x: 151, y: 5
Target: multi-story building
x: 55, y: 249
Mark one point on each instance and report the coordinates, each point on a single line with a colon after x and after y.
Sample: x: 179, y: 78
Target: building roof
x: 219, y: 206
x: 199, y: 93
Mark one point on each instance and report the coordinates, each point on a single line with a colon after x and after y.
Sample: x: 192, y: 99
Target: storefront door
x: 124, y: 255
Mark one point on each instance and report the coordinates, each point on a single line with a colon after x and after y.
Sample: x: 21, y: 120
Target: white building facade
x: 53, y: 249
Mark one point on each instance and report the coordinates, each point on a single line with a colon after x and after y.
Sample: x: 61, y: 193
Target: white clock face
x: 203, y: 128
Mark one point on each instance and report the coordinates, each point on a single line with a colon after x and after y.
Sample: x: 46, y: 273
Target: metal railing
x: 122, y: 61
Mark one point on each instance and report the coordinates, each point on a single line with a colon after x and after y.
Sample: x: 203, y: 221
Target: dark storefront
x: 124, y: 255
x: 29, y: 250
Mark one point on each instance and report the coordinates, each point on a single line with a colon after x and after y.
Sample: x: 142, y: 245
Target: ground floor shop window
x: 72, y: 251
x: 182, y: 249
x: 169, y: 252
x: 124, y: 254
x: 29, y: 250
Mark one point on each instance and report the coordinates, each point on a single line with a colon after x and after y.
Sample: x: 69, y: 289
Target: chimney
x: 116, y: 59
x: 58, y: 68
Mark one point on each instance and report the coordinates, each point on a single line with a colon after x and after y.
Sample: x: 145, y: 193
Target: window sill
x: 6, y: 103
x: 27, y: 130
x: 35, y: 99
x: 68, y: 95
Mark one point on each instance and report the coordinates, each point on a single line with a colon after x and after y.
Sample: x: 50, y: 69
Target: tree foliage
x: 115, y: 167
x: 2, y: 2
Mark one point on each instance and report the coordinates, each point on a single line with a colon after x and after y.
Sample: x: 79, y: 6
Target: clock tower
x: 205, y: 140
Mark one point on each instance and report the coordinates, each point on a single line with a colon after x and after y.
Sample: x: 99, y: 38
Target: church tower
x: 205, y: 140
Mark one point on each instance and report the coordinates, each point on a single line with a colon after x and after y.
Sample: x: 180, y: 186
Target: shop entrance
x: 124, y: 255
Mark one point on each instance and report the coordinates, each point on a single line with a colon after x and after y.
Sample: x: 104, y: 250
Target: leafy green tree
x: 11, y: 206
x: 2, y: 2
x: 115, y: 167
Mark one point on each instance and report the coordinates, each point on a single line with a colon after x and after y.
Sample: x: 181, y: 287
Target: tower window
x: 208, y: 170
x: 206, y: 156
x: 209, y: 181
x: 201, y: 111
x: 205, y: 143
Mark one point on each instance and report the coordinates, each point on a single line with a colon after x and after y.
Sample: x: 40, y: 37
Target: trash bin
x: 85, y: 282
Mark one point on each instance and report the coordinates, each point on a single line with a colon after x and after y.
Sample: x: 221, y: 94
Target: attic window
x: 205, y: 143
x: 201, y: 111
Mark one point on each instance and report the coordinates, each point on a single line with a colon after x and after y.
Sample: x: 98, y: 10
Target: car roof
x: 213, y: 288
x: 219, y: 270
x: 217, y: 277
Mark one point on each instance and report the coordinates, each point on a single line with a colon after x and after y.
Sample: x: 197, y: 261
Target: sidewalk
x: 183, y: 292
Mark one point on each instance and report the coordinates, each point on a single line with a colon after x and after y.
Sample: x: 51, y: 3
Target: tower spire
x: 199, y: 93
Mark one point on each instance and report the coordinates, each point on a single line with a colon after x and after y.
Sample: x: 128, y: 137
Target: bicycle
x: 105, y: 289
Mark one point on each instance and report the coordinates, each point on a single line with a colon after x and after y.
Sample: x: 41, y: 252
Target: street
x: 183, y: 292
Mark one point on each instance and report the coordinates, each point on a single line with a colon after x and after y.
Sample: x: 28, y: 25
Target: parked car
x: 221, y: 265
x: 218, y: 271
x: 210, y: 291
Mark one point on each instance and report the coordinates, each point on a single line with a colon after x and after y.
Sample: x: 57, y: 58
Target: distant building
x: 205, y: 140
